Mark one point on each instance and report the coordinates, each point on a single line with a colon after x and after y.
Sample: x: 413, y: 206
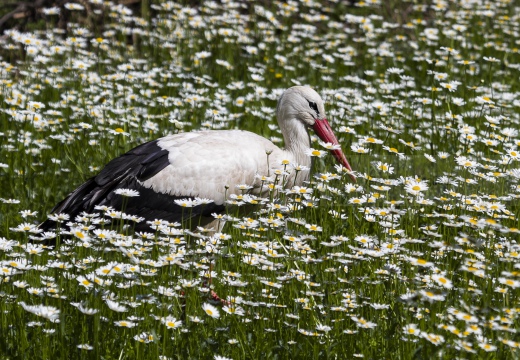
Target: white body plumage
x: 232, y: 157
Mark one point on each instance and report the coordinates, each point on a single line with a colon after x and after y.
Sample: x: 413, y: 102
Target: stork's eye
x: 314, y: 107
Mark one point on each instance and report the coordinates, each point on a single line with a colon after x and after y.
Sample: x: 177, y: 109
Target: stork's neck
x: 297, y: 140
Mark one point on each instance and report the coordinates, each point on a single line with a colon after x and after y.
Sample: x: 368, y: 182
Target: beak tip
x: 352, y: 176
x: 325, y: 133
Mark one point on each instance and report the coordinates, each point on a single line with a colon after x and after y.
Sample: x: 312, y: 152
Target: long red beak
x: 325, y: 133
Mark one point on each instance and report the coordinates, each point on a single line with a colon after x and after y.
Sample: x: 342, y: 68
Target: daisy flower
x: 188, y: 203
x: 359, y: 149
x: 118, y: 131
x: 411, y: 329
x: 126, y: 192
x: 314, y: 152
x: 85, y: 347
x: 442, y: 281
x: 330, y: 146
x: 415, y: 187
x: 48, y: 312
x: 234, y: 310
x: 509, y: 282
x: 370, y: 140
x: 83, y: 281
x: 430, y: 158
x: 211, y: 310
x: 484, y: 345
x: 124, y: 323
x: 465, y: 162
x: 451, y: 86
x: 311, y: 227
x: 362, y: 323
x: 115, y: 306
x: 419, y: 262
x: 384, y: 167
x: 171, y: 322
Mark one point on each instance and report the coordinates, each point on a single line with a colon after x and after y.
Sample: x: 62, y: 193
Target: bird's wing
x: 212, y: 164
x: 188, y: 165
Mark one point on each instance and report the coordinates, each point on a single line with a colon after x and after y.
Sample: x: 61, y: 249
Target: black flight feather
x: 126, y: 171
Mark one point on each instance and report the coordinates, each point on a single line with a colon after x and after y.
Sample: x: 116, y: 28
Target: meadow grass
x: 418, y: 259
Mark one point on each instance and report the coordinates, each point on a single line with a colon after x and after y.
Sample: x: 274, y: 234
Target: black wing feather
x: 126, y: 171
x: 152, y: 165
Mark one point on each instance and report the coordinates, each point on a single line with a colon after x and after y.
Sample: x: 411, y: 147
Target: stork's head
x: 305, y: 105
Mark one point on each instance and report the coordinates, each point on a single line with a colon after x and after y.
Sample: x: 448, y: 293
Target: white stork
x: 205, y: 164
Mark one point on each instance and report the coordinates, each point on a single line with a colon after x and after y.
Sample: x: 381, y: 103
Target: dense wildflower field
x: 419, y: 258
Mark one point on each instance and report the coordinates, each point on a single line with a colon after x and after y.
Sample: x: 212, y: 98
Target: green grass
x: 422, y: 268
